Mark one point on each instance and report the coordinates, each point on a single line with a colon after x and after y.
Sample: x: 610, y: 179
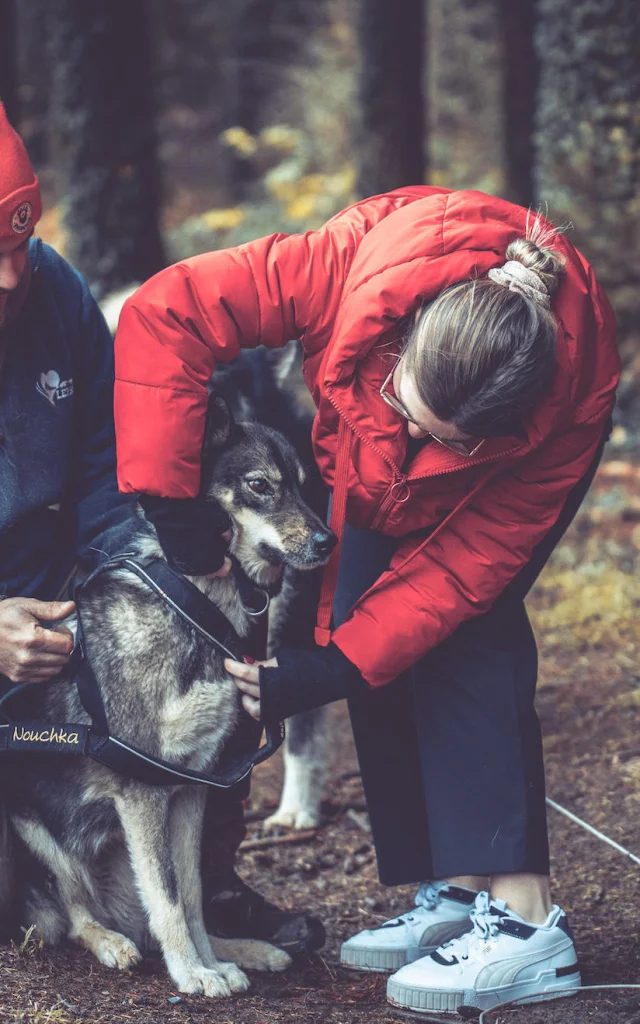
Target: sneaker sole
x: 363, y: 958
x: 449, y: 1000
x: 372, y: 958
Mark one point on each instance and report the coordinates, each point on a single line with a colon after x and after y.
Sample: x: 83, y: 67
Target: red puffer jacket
x: 342, y: 290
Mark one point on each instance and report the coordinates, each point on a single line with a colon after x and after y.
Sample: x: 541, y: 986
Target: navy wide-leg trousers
x: 450, y: 752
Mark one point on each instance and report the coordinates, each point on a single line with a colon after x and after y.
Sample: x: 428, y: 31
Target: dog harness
x: 95, y: 740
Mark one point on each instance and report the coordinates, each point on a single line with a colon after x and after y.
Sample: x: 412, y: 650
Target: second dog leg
x: 305, y: 769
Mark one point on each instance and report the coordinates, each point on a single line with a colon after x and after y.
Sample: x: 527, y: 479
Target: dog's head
x: 255, y: 475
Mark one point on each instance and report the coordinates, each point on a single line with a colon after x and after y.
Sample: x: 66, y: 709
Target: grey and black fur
x: 112, y: 863
x: 258, y: 386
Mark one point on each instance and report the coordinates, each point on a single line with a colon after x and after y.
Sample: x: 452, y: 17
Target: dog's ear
x: 218, y: 427
x: 283, y: 360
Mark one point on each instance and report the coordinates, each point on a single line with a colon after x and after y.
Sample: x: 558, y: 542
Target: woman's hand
x: 295, y: 681
x: 225, y: 568
x: 247, y: 679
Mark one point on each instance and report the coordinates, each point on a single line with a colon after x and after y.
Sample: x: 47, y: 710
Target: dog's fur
x: 115, y: 863
x: 260, y: 386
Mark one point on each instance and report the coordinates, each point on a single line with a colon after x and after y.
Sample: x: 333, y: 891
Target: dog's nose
x: 324, y: 543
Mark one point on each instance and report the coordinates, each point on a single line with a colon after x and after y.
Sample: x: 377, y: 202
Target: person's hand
x: 247, y: 679
x: 29, y: 653
x: 225, y: 568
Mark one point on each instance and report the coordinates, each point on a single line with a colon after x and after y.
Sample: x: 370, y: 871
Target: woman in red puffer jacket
x: 463, y: 362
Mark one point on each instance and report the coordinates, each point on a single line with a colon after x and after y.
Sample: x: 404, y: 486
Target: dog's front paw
x: 237, y: 979
x: 252, y: 954
x: 196, y: 979
x: 294, y: 817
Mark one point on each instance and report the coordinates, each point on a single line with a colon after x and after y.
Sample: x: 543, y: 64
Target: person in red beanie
x: 59, y: 499
x: 20, y: 209
x: 54, y: 490
x: 60, y: 502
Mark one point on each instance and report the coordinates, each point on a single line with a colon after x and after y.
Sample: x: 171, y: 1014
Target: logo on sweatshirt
x: 53, y: 388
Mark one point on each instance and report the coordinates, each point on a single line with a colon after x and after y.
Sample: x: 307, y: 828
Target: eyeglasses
x: 459, y: 447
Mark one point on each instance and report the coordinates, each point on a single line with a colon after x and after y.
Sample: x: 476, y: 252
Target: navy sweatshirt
x: 59, y: 501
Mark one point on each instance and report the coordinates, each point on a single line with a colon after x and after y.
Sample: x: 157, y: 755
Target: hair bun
x: 532, y: 268
x: 541, y: 260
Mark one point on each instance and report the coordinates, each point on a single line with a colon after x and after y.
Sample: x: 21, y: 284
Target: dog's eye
x: 259, y: 485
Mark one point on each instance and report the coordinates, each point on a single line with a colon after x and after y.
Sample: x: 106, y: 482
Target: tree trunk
x: 391, y: 150
x: 519, y: 88
x: 105, y: 139
x: 8, y: 60
x: 588, y: 135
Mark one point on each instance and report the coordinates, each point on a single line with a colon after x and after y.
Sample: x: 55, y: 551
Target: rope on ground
x: 558, y: 991
x: 594, y: 831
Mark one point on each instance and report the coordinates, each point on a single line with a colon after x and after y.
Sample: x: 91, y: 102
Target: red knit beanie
x: 20, y: 202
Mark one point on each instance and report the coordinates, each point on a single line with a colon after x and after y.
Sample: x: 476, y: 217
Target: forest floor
x: 585, y: 611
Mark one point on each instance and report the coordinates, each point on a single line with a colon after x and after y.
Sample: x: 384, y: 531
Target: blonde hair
x: 482, y: 354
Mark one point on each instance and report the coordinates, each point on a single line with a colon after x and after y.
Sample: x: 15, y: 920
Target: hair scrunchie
x: 518, y: 278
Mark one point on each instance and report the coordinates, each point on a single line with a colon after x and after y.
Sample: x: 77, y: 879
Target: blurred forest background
x: 162, y: 128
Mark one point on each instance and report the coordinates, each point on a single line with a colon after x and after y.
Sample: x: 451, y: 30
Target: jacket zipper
x: 404, y: 480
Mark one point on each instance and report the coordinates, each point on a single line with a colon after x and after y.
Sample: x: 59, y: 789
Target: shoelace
x: 427, y: 898
x: 428, y: 895
x: 485, y: 922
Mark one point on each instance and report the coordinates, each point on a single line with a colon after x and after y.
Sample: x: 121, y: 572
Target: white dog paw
x: 236, y: 979
x: 252, y: 954
x: 115, y: 950
x: 294, y: 817
x: 195, y: 979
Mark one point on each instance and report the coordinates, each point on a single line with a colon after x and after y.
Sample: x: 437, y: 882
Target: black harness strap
x: 95, y: 740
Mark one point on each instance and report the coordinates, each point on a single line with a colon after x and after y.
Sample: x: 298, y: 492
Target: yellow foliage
x: 285, y: 191
x: 281, y: 136
x: 438, y: 178
x: 302, y: 207
x: 224, y: 219
x: 570, y: 607
x: 314, y: 184
x: 240, y: 140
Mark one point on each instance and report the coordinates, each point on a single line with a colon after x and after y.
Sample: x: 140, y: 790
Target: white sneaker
x: 500, y: 959
x: 442, y: 913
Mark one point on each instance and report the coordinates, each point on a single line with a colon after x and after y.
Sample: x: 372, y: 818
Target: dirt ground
x: 583, y: 610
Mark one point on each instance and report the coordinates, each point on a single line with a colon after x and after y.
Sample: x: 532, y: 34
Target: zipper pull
x: 400, y: 491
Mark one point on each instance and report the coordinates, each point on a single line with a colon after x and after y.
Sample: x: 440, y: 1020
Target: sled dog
x: 114, y: 864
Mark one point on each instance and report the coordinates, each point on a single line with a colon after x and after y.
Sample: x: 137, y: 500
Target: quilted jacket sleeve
x: 434, y: 586
x: 177, y: 325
